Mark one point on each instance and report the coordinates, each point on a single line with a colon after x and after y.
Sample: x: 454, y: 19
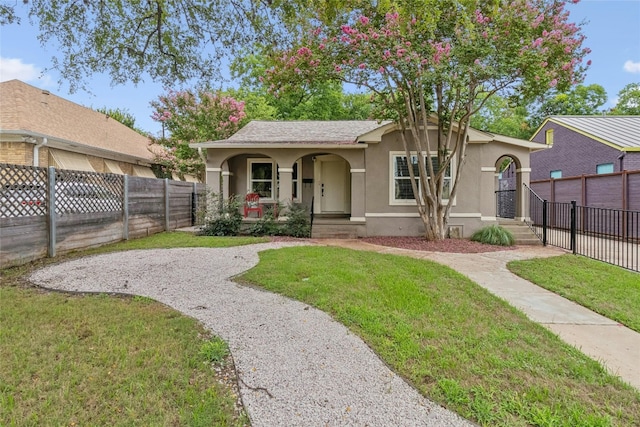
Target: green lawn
x: 100, y: 360
x: 603, y: 288
x: 458, y: 344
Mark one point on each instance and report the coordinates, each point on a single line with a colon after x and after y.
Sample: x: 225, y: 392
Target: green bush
x: 494, y: 235
x: 266, y: 226
x: 298, y: 222
x: 223, y: 217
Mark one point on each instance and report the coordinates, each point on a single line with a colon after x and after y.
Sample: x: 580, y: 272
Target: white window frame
x: 275, y: 183
x: 392, y: 179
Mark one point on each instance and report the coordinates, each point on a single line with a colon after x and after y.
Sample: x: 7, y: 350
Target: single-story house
x: 38, y: 128
x: 357, y: 171
x: 586, y: 145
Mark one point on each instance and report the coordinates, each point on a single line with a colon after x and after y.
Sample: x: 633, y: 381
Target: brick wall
x: 631, y: 161
x: 572, y: 153
x: 17, y: 153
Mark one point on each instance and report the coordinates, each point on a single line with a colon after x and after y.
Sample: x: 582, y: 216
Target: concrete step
x: 521, y: 232
x: 333, y: 230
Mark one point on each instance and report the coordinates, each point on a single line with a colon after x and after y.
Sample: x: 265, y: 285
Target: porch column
x: 522, y: 177
x: 213, y: 180
x: 226, y: 175
x: 285, y: 192
x: 488, y: 186
x: 358, y: 203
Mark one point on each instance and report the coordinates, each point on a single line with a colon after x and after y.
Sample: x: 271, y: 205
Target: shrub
x: 266, y: 226
x: 298, y: 223
x: 223, y: 217
x: 494, y: 235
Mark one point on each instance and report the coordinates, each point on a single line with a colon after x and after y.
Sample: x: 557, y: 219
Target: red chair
x: 252, y: 204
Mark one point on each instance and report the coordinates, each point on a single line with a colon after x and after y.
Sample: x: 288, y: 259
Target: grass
x: 71, y: 359
x: 603, y: 288
x: 177, y: 239
x: 455, y: 342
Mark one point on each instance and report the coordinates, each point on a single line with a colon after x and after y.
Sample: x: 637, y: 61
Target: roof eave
x: 262, y: 145
x: 78, y: 147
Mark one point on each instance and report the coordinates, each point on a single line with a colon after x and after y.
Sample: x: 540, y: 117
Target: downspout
x: 36, y: 152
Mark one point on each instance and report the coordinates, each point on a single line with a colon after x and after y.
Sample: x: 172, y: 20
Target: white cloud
x: 14, y: 68
x: 632, y: 67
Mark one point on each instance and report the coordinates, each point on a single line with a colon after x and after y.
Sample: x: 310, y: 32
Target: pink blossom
x: 588, y: 62
x: 364, y: 20
x: 338, y: 68
x: 233, y: 119
x: 553, y: 83
x: 362, y: 66
x: 537, y: 42
x: 477, y: 61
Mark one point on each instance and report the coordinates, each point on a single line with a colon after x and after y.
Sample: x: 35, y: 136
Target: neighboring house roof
x: 339, y: 133
x: 29, y: 111
x: 620, y: 132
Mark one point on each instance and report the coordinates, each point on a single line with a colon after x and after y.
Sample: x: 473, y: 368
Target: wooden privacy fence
x: 44, y: 211
x: 620, y: 190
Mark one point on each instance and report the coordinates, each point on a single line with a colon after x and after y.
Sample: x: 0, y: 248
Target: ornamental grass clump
x: 494, y: 235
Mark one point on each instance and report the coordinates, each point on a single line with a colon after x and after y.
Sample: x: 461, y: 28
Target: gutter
x: 36, y: 151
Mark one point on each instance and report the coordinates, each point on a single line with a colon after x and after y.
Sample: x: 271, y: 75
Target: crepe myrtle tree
x: 192, y: 116
x: 437, y: 62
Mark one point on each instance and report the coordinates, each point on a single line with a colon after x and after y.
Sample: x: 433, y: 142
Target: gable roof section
x: 344, y: 133
x: 339, y: 133
x: 619, y: 132
x: 26, y: 109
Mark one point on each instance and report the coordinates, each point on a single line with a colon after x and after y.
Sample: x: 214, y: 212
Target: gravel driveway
x: 297, y: 367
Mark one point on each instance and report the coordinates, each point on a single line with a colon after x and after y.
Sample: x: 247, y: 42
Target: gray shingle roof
x: 335, y: 132
x: 621, y: 131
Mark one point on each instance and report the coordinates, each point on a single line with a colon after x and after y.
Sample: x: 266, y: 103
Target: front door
x: 333, y: 186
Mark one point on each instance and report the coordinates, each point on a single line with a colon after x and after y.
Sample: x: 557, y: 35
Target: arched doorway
x: 506, y: 189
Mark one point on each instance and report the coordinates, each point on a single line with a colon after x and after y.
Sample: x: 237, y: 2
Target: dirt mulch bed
x: 462, y: 246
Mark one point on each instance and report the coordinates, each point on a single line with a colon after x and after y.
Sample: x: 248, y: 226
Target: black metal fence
x: 506, y: 203
x: 609, y: 235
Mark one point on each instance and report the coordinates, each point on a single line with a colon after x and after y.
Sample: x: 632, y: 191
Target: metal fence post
x: 125, y: 207
x: 573, y: 226
x: 544, y: 223
x: 51, y: 210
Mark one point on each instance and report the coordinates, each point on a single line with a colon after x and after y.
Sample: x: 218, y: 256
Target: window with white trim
x: 263, y: 181
x: 261, y: 178
x: 400, y: 182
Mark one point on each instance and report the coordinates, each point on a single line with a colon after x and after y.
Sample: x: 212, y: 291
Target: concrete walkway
x: 615, y: 346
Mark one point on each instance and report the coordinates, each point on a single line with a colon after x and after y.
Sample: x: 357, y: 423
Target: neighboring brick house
x: 586, y: 145
x: 38, y: 128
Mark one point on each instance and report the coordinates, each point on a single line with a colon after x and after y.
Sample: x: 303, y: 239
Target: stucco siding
x: 572, y: 153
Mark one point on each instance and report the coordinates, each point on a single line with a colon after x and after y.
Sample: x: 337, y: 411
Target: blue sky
x: 612, y: 30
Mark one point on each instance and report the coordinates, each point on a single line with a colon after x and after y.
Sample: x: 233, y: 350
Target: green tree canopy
x: 579, y: 101
x: 497, y: 116
x: 319, y: 100
x: 628, y: 101
x: 121, y: 115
